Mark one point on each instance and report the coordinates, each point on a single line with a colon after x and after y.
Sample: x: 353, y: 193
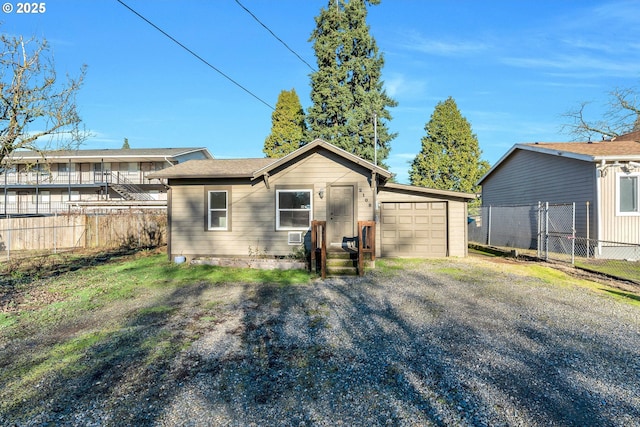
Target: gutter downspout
x: 170, y: 164
x: 374, y: 187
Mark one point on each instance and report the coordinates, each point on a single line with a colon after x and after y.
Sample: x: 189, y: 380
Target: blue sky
x: 513, y: 67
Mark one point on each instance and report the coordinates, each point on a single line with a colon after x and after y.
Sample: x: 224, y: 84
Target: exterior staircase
x: 129, y: 193
x: 346, y: 260
x: 128, y: 190
x: 345, y: 263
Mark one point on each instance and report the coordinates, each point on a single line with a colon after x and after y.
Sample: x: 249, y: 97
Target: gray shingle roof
x: 147, y: 153
x: 215, y: 168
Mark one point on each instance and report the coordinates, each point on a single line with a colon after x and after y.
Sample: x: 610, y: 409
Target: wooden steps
x: 344, y: 263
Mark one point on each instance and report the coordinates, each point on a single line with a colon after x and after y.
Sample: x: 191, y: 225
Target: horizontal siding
x: 615, y: 228
x: 528, y: 177
x: 253, y: 208
x: 458, y: 240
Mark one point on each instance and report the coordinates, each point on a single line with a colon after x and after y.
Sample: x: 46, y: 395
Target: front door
x: 341, y: 216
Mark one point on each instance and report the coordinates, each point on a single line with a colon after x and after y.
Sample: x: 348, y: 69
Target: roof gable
x: 320, y: 144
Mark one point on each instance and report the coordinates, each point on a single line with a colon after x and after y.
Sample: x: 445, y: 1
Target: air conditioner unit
x: 295, y: 237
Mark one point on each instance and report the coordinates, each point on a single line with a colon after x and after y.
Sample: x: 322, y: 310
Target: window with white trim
x: 627, y: 194
x: 218, y: 210
x: 293, y: 209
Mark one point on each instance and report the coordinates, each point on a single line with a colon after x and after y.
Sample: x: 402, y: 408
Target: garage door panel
x: 389, y: 219
x: 414, y: 229
x: 405, y: 248
x: 422, y: 220
x: 405, y: 219
x: 405, y: 234
x: 421, y: 227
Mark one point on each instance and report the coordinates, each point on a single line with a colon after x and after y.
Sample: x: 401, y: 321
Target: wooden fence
x: 72, y: 231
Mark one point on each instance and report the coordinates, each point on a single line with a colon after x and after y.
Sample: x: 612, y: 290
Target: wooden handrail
x: 319, y: 237
x: 366, y: 242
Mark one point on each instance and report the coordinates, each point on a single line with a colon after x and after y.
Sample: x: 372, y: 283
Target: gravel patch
x: 459, y: 342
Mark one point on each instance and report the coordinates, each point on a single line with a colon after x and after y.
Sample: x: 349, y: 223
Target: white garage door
x: 414, y: 229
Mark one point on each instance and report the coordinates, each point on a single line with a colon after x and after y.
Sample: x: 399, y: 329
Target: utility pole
x: 375, y: 139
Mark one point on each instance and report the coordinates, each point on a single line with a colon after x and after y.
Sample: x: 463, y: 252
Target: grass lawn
x: 628, y: 270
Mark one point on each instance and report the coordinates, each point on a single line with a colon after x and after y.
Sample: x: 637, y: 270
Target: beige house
x: 600, y: 177
x: 229, y: 208
x: 53, y: 181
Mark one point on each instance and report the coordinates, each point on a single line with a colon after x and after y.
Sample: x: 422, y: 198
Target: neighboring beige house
x: 604, y: 173
x: 228, y: 208
x: 55, y: 181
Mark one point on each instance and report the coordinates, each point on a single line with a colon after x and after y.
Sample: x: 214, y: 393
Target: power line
x: 195, y: 54
x: 273, y: 34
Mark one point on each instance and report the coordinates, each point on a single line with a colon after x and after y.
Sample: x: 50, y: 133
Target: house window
x: 74, y: 196
x: 218, y: 210
x: 132, y: 167
x: 293, y: 209
x: 43, y: 196
x: 627, y: 194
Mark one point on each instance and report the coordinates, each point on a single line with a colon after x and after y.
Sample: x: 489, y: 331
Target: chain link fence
x: 549, y: 232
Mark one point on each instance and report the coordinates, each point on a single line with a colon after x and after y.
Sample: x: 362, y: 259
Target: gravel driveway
x: 444, y: 342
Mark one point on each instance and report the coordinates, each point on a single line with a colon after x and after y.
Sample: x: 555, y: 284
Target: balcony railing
x: 75, y: 178
x: 29, y: 207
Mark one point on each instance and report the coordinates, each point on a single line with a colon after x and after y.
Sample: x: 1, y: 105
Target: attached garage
x: 413, y: 229
x: 422, y: 222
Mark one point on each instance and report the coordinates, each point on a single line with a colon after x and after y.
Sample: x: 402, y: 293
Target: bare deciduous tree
x: 622, y: 115
x: 35, y: 108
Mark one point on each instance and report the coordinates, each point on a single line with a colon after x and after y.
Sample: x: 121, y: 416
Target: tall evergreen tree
x: 347, y: 89
x: 450, y: 155
x: 288, y: 127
